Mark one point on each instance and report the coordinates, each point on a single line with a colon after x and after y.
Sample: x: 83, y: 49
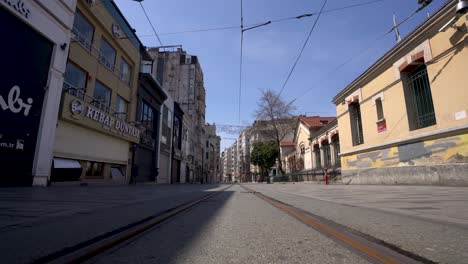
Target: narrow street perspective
x: 234, y: 131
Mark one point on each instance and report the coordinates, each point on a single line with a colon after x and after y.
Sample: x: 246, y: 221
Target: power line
x: 152, y: 26
x: 302, y: 49
x: 240, y: 60
x: 255, y: 24
x: 362, y: 51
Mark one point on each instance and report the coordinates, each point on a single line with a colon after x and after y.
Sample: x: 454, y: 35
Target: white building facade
x: 41, y: 30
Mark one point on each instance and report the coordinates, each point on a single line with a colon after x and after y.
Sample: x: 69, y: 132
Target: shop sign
x: 21, y: 99
x: 78, y: 109
x: 20, y: 6
x: 381, y: 127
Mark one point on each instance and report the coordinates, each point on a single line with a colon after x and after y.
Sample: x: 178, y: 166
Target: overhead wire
x: 302, y: 49
x: 361, y: 52
x: 151, y: 24
x: 255, y: 24
x: 240, y: 60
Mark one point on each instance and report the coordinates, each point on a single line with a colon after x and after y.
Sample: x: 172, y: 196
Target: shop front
x: 150, y: 98
x: 91, y: 143
x: 33, y: 56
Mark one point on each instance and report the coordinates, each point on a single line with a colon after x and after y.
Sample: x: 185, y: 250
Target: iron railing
x: 314, y: 175
x: 87, y: 45
x: 80, y: 93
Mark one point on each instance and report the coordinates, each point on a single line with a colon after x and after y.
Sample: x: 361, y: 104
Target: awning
x: 66, y: 164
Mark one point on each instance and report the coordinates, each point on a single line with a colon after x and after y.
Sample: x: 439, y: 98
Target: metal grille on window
x: 337, y: 152
x: 327, y: 154
x: 420, y: 98
x: 356, y: 123
x: 318, y: 160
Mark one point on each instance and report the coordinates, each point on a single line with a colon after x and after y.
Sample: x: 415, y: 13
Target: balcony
x: 80, y: 93
x: 77, y: 37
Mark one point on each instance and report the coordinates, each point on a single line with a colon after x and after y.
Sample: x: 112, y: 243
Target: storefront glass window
x: 95, y: 169
x: 102, y: 95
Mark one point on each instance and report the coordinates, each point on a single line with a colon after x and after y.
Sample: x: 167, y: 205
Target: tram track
x: 368, y: 247
x: 94, y: 247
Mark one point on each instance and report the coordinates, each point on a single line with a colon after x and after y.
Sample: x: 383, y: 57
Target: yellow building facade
x: 404, y: 120
x: 96, y: 127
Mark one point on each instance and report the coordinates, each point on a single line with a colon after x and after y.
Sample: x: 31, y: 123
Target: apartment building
x: 181, y: 75
x: 96, y: 130
x: 243, y: 152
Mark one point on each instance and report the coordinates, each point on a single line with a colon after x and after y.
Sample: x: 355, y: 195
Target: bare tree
x: 274, y: 119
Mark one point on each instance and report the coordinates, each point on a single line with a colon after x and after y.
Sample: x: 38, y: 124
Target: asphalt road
x: 236, y: 226
x: 232, y: 227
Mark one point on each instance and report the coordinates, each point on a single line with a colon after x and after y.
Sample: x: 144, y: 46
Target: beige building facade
x: 96, y: 128
x: 404, y: 120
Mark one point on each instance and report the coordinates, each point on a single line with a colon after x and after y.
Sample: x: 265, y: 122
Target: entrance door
x: 25, y: 61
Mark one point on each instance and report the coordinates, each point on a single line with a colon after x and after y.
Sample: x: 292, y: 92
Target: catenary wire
x: 359, y: 53
x: 152, y: 26
x: 254, y: 24
x: 302, y: 50
x: 240, y: 60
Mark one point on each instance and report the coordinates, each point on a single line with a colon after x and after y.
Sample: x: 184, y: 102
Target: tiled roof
x: 287, y: 144
x: 316, y: 121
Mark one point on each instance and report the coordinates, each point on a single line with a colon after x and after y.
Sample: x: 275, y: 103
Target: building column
x: 332, y: 151
x: 322, y: 155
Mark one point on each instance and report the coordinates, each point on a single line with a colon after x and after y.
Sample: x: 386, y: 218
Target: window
x: 418, y: 99
x: 356, y: 123
x: 125, y: 71
x: 147, y: 115
x: 107, y: 56
x: 121, y: 108
x: 102, y: 96
x: 84, y: 30
x: 318, y: 160
x: 160, y: 70
x: 169, y: 118
x: 75, y: 80
x: 94, y: 169
x: 336, y: 142
x: 326, y: 153
x: 378, y: 106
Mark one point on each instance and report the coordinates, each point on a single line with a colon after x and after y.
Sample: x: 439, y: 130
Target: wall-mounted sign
x: 84, y: 114
x: 116, y: 31
x: 21, y: 99
x: 381, y: 126
x: 20, y: 6
x: 80, y: 110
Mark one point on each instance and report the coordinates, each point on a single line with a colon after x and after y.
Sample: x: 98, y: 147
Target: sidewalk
x: 437, y: 203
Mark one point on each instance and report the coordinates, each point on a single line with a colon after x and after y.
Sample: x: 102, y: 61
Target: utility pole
x: 395, y: 27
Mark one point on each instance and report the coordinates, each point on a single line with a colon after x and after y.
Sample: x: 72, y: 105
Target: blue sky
x: 270, y: 51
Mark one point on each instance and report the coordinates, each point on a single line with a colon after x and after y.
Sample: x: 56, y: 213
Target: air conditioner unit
x: 188, y: 59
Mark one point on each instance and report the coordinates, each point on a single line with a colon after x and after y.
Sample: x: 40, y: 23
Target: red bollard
x: 325, y: 172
